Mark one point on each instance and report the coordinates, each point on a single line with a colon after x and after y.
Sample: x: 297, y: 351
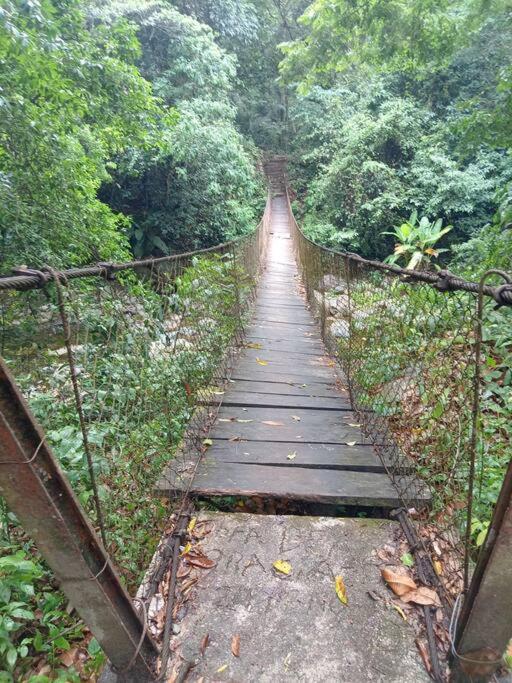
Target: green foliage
x: 71, y: 98
x: 33, y: 617
x: 199, y: 187
x: 416, y: 240
x: 368, y: 158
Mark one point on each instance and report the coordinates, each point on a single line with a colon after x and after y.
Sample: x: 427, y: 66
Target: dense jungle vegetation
x: 134, y: 128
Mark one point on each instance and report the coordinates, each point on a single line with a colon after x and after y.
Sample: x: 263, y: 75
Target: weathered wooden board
x: 270, y: 318
x: 277, y: 374
x: 285, y: 454
x: 277, y: 371
x: 300, y: 344
x: 306, y: 359
x: 290, y: 331
x: 287, y: 388
x: 244, y: 398
x: 280, y: 424
x: 329, y: 486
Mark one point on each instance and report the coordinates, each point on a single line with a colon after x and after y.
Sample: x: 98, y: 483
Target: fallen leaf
x: 399, y: 610
x: 204, y: 643
x: 221, y: 668
x: 235, y: 646
x: 244, y: 421
x: 351, y: 443
x: 186, y: 549
x: 296, y: 418
x: 341, y: 590
x: 254, y: 345
x: 422, y: 596
x: 261, y: 362
x: 283, y: 567
x: 203, y: 562
x: 438, y: 567
x: 400, y: 583
x: 271, y: 423
x: 191, y: 525
x: 207, y: 442
x: 68, y: 658
x: 424, y: 654
x: 183, y: 571
x: 292, y: 456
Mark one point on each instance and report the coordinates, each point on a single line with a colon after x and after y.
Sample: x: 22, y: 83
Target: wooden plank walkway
x: 286, y: 429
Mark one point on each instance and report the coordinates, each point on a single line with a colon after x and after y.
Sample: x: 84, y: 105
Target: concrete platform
x: 295, y: 628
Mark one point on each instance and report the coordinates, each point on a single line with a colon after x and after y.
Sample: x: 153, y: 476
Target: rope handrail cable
x: 442, y: 280
x: 27, y: 278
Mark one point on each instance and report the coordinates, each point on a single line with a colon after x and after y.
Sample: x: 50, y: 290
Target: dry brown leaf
x: 202, y: 561
x: 204, y: 643
x: 271, y: 423
x: 422, y: 596
x: 68, y: 658
x: 235, y: 646
x: 398, y: 580
x: 424, y: 654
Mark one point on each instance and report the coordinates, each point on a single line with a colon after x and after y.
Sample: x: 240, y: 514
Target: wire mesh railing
x: 123, y: 366
x: 413, y: 348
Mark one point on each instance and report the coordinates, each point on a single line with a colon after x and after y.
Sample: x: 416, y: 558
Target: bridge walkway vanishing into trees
x: 272, y: 375
x: 286, y: 429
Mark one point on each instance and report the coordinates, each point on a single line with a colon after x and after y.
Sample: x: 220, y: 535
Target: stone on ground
x: 294, y: 628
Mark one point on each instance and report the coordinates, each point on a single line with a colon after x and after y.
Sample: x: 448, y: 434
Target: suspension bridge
x: 265, y: 375
x: 286, y: 429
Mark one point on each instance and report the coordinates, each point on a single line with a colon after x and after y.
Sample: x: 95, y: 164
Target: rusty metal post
x: 485, y: 624
x: 38, y: 493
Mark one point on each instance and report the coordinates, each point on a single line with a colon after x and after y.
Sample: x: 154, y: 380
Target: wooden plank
x: 364, y: 489
x: 278, y: 374
x: 287, y: 388
x: 301, y: 344
x: 315, y: 456
x: 315, y: 426
x: 244, y: 398
x: 271, y: 318
x: 291, y: 372
x: 289, y: 357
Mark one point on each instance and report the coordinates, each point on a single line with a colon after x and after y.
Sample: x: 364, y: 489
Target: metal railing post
x: 36, y: 490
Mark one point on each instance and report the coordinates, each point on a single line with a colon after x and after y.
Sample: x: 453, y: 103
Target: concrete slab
x: 295, y: 628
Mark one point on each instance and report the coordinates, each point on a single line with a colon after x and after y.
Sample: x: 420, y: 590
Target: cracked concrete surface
x: 295, y: 628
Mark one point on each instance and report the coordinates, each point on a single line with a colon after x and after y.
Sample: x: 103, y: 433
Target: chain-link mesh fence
x: 123, y: 365
x: 407, y: 346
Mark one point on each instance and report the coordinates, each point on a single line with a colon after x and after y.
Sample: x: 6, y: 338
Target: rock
x: 339, y: 305
x: 331, y: 281
x: 339, y: 329
x: 172, y: 323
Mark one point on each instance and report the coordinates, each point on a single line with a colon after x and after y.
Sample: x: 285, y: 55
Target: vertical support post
x: 36, y: 490
x: 485, y: 625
